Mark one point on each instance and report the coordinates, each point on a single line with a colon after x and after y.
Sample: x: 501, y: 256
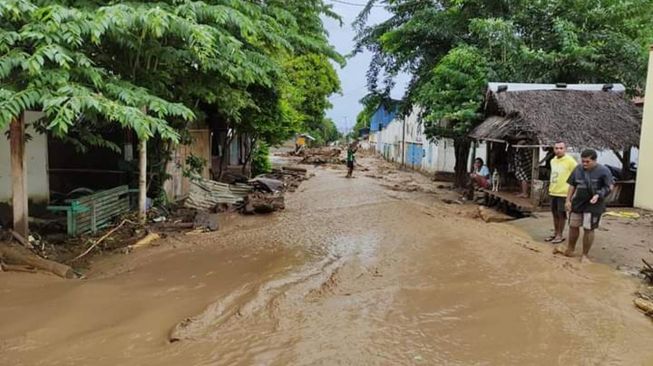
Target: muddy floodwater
x: 351, y: 273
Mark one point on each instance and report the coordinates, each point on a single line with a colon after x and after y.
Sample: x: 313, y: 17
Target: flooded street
x: 351, y: 273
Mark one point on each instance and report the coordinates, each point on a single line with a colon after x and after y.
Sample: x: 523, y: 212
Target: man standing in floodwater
x: 351, y: 158
x: 562, y: 165
x: 589, y: 185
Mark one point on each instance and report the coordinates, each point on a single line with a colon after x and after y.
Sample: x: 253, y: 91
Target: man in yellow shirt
x: 562, y: 165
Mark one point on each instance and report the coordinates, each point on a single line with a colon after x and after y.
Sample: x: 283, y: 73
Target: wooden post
x: 142, y: 180
x: 19, y: 176
x: 535, y: 172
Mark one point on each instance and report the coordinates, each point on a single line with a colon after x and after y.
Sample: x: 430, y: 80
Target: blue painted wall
x: 414, y: 154
x: 381, y: 118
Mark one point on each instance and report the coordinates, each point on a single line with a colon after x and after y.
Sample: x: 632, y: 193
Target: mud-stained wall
x: 643, y: 188
x: 36, y: 149
x: 178, y: 185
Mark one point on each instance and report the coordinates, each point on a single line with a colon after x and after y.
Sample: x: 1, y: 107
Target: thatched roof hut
x: 595, y: 116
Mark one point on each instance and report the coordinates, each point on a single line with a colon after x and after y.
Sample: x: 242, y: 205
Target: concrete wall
x: 643, y: 188
x: 36, y: 149
x: 420, y: 153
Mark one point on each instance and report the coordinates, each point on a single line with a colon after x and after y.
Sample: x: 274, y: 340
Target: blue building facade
x: 382, y: 118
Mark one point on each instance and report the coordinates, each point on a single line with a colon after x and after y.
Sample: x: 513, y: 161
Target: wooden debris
x: 647, y: 271
x: 22, y: 256
x: 22, y: 240
x: 96, y: 243
x: 16, y: 268
x: 263, y: 203
x: 146, y: 241
x: 644, y: 305
x: 490, y: 215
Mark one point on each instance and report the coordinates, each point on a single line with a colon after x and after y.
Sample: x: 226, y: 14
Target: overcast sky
x: 352, y: 77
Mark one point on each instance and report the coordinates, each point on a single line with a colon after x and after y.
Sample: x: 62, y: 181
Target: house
x: 403, y: 141
x: 644, y: 188
x: 383, y: 116
x: 594, y: 116
x: 54, y: 167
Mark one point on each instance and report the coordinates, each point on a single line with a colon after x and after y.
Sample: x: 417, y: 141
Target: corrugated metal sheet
x: 207, y: 194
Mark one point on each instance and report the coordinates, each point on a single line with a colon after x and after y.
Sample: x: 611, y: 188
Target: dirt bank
x: 352, y: 272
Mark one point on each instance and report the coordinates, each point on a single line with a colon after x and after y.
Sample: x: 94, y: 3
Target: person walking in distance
x: 562, y: 165
x: 589, y: 185
x: 351, y: 158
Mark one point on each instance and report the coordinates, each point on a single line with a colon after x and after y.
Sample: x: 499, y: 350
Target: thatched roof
x: 581, y: 118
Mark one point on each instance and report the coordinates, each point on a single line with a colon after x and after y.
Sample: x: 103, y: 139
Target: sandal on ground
x: 557, y: 241
x: 550, y: 238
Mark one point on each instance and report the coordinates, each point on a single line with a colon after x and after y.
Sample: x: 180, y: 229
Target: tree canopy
x: 149, y: 66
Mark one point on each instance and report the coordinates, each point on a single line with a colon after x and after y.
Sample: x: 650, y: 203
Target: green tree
x: 450, y: 100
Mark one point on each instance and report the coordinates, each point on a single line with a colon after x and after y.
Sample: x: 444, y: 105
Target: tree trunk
x: 19, y: 176
x: 225, y: 146
x: 142, y: 180
x: 248, y: 156
x: 19, y: 255
x: 461, y: 150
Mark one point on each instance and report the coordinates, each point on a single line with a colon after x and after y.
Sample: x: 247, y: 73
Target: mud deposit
x: 350, y: 273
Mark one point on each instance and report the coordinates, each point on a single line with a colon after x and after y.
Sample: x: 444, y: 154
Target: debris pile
x: 326, y: 155
x: 644, y: 299
x: 260, y: 202
x: 291, y: 177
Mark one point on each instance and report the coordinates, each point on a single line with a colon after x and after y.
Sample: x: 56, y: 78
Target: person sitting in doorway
x: 523, y: 161
x: 480, y: 176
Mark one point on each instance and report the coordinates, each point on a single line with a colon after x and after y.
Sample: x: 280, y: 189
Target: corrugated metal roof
x: 494, y: 86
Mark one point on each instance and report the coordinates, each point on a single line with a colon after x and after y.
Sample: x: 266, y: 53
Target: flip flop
x: 557, y: 241
x: 550, y: 238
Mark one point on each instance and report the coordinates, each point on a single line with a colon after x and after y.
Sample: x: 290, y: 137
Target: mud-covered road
x: 351, y: 273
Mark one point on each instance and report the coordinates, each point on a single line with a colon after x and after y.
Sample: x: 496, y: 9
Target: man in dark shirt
x: 589, y: 185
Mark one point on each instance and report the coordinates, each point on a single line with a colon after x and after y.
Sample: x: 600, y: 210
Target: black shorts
x: 350, y: 164
x: 558, y: 206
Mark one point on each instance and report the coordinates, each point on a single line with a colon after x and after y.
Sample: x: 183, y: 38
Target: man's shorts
x: 350, y: 164
x: 558, y: 206
x: 587, y: 220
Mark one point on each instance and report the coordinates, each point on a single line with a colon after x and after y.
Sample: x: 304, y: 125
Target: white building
x: 420, y: 153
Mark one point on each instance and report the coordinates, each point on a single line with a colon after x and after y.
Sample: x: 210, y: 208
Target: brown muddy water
x: 349, y: 274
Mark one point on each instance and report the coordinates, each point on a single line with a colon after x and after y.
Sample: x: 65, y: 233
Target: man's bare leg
x: 588, y: 240
x: 559, y: 227
x: 574, y: 233
x: 557, y: 233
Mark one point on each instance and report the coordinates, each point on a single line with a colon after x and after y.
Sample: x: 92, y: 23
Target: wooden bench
x: 90, y: 213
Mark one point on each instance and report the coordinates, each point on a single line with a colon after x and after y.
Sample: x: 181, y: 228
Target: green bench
x: 90, y: 213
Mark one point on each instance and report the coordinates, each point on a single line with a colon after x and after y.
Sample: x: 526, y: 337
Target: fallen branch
x: 20, y: 255
x: 16, y: 268
x: 95, y: 244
